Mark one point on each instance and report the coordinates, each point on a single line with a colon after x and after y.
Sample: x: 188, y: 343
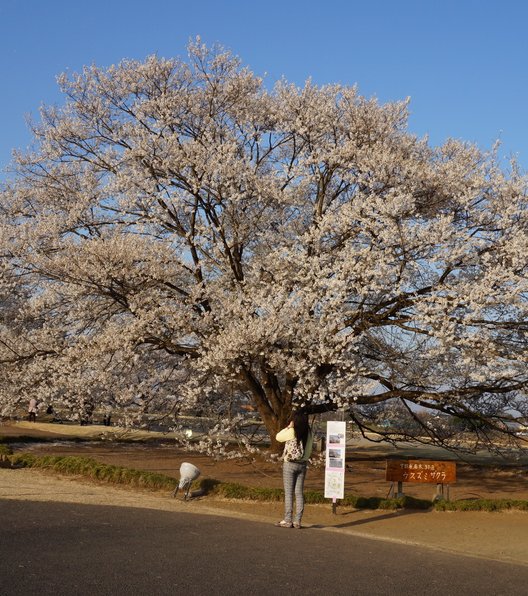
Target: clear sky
x: 462, y: 62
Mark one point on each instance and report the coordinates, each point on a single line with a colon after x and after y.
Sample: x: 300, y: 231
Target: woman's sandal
x: 284, y: 524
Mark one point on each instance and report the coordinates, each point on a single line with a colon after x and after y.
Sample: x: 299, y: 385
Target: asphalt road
x: 60, y: 548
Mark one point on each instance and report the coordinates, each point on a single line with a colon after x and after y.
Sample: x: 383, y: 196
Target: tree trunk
x: 274, y: 423
x: 272, y: 405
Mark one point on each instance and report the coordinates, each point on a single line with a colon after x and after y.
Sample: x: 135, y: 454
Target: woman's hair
x: 301, y: 426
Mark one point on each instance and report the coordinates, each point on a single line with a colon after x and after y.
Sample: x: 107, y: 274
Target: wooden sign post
x: 441, y: 473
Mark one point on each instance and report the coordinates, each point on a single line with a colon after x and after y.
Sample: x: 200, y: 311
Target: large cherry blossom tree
x: 179, y: 235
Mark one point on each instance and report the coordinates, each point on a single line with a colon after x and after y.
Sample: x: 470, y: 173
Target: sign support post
x: 441, y: 473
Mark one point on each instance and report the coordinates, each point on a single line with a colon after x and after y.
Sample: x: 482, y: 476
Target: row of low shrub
x: 405, y: 502
x: 231, y: 490
x: 482, y: 505
x: 90, y: 468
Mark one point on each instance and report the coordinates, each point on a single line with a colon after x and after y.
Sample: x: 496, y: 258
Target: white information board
x: 335, y: 460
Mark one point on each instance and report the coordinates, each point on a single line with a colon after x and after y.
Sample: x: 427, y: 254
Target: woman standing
x: 297, y: 450
x: 32, y: 410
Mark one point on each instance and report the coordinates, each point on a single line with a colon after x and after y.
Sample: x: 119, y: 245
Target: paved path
x: 74, y: 549
x: 497, y: 536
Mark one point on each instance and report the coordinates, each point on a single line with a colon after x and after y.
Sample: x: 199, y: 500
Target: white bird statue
x: 188, y: 474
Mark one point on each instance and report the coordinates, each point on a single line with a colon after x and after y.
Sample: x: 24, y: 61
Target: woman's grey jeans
x: 293, y: 475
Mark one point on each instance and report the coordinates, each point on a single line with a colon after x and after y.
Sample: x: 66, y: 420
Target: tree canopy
x: 180, y: 234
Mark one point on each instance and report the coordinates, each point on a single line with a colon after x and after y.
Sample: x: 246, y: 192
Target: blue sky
x: 462, y: 62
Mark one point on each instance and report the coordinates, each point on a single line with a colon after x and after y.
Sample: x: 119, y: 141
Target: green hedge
x: 482, y: 505
x: 90, y: 468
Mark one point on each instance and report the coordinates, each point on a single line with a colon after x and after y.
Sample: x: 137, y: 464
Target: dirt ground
x: 365, y: 465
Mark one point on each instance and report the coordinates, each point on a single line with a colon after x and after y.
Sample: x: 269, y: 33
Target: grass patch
x: 5, y: 449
